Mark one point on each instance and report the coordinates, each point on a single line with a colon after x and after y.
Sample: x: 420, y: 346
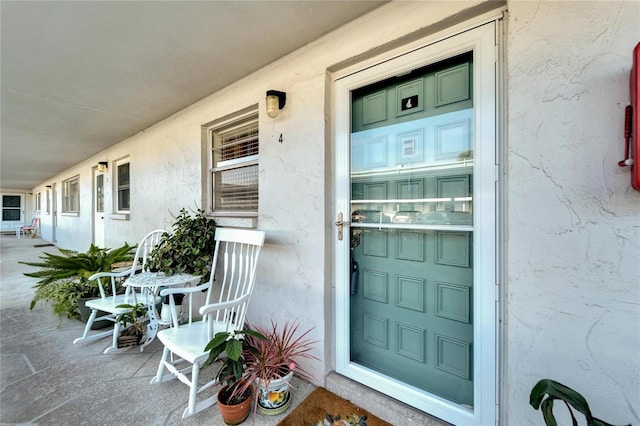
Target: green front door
x: 412, y: 237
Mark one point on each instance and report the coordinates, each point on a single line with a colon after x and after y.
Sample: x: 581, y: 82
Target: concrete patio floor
x: 46, y: 380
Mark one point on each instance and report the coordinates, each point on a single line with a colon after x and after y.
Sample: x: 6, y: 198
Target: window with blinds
x: 234, y: 172
x: 71, y: 195
x: 123, y: 186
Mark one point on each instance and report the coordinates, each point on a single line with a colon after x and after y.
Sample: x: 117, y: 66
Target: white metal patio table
x: 149, y: 284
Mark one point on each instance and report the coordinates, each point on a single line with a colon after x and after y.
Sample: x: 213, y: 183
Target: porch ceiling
x: 78, y: 77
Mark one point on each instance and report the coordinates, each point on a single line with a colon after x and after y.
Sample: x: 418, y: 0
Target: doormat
x: 43, y: 245
x: 322, y: 408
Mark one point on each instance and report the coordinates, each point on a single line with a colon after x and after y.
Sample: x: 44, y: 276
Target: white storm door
x: 415, y: 176
x: 98, y: 208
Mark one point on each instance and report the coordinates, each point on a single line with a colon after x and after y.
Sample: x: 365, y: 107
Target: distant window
x: 123, y: 184
x: 71, y: 195
x: 234, y: 164
x: 11, y: 207
x: 38, y: 201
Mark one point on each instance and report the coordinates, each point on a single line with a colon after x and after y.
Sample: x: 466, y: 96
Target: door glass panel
x: 100, y: 193
x: 412, y: 229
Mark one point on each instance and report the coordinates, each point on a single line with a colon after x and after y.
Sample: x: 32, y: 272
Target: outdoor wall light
x: 48, y: 186
x: 275, y: 102
x: 102, y: 166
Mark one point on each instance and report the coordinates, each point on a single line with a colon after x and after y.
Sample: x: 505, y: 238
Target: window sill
x: 71, y: 214
x: 119, y: 216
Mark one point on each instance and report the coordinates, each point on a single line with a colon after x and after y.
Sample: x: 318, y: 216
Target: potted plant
x: 188, y: 248
x: 134, y: 324
x: 546, y: 391
x: 63, y: 279
x: 273, y: 363
x: 232, y: 349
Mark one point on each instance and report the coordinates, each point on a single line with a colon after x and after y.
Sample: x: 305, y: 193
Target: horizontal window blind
x: 235, y: 166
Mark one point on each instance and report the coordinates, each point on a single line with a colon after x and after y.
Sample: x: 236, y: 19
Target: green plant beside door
x: 546, y: 391
x: 273, y: 362
x: 231, y: 349
x: 261, y: 357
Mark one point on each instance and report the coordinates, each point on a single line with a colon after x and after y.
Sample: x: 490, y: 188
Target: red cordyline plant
x: 279, y: 353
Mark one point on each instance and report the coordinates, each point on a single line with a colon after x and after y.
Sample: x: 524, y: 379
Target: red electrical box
x: 632, y: 123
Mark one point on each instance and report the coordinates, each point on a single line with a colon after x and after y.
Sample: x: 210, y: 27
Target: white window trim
x: 207, y: 161
x: 38, y: 202
x: 120, y: 213
x: 66, y: 211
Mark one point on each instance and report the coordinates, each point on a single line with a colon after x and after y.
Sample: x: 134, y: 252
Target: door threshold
x: 383, y: 406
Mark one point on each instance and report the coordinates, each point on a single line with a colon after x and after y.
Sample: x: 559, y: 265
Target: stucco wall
x: 573, y: 277
x: 572, y: 244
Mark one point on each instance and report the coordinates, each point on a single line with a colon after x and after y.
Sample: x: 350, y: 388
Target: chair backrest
x: 140, y: 260
x: 234, y: 273
x: 145, y: 247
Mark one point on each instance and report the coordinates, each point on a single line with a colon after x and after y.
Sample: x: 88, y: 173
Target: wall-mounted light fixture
x: 275, y: 102
x: 102, y: 166
x: 48, y: 186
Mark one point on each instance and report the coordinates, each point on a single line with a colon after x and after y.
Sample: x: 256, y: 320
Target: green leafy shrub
x: 189, y: 248
x: 63, y: 279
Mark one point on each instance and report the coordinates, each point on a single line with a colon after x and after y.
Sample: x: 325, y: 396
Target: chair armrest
x: 186, y: 301
x: 213, y: 307
x: 110, y: 274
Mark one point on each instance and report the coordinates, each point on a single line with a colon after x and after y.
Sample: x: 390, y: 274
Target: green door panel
x: 412, y: 229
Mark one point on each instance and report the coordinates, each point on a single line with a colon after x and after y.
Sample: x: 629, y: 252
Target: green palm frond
x: 63, y: 277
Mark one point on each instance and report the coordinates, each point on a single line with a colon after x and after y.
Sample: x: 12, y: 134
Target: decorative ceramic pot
x: 235, y: 414
x: 278, y: 398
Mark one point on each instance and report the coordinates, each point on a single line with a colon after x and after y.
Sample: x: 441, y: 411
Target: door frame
x: 481, y: 37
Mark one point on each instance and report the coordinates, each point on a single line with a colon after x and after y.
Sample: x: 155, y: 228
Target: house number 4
x: 410, y: 102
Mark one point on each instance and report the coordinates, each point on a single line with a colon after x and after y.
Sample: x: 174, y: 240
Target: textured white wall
x: 573, y: 222
x: 573, y: 276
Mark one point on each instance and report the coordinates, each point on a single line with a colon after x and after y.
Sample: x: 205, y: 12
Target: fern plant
x: 63, y: 278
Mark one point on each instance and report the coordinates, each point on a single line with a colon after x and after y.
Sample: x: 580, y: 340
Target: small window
x: 123, y: 187
x: 38, y: 201
x: 71, y: 195
x: 11, y: 207
x: 234, y: 146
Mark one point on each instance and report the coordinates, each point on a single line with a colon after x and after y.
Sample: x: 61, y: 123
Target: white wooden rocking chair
x: 109, y: 303
x: 235, y: 276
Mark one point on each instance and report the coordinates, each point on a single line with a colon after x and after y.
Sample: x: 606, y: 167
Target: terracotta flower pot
x: 235, y: 414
